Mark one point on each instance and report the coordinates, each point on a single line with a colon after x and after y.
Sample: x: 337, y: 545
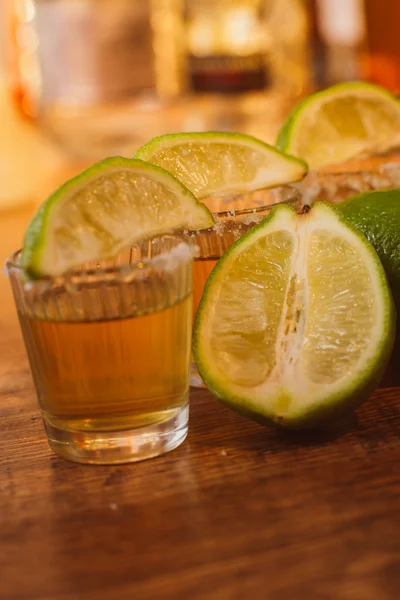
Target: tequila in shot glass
x: 109, y: 349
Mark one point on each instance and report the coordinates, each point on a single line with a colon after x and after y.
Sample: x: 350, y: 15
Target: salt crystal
x: 179, y: 255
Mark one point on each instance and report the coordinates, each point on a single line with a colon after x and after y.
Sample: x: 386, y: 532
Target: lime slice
x: 108, y: 207
x: 296, y: 322
x: 341, y: 122
x: 217, y: 163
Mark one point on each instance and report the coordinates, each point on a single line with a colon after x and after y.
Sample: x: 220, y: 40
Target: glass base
x: 195, y: 379
x: 115, y: 447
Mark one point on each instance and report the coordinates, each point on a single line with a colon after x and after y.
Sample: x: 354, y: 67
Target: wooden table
x: 238, y: 512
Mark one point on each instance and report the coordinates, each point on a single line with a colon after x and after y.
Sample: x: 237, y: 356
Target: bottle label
x: 228, y: 73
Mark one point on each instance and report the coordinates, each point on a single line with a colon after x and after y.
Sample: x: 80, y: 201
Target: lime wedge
x: 109, y: 206
x: 218, y: 163
x: 296, y: 323
x: 341, y: 122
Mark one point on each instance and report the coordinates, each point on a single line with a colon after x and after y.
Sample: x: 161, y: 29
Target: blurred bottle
x: 86, y: 72
x: 383, y: 42
x: 220, y: 46
x: 341, y: 28
x: 232, y: 65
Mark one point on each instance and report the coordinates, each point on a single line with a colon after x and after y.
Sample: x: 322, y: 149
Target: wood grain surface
x: 237, y: 512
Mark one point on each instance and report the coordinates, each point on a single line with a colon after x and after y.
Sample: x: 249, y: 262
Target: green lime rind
x: 36, y: 255
x: 333, y: 405
x: 289, y: 129
x: 294, y: 168
x: 377, y: 216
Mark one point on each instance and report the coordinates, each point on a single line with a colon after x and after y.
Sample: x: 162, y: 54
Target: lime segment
x: 218, y: 163
x: 108, y: 207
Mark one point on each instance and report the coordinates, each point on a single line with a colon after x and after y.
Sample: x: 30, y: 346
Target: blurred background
x: 85, y: 79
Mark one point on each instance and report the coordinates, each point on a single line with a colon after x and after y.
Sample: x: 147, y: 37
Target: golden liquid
x: 202, y: 267
x: 111, y: 375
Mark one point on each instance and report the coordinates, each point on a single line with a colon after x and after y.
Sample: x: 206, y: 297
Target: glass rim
x: 12, y: 263
x: 256, y: 208
x: 359, y: 171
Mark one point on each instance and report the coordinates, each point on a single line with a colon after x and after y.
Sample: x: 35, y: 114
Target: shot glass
x: 109, y: 349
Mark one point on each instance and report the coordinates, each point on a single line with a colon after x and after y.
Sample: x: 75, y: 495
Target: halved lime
x: 109, y: 206
x: 218, y: 163
x: 341, y: 122
x: 296, y: 322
